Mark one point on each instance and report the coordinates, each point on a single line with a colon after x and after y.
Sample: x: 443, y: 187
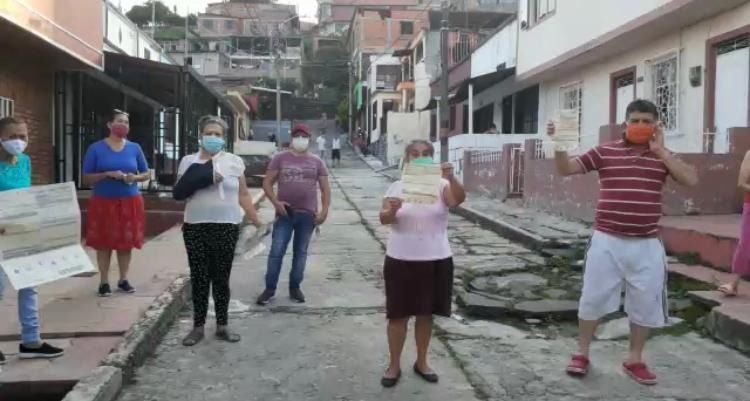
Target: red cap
x: 301, y: 129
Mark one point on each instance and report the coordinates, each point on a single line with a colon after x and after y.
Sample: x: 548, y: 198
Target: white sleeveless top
x: 219, y: 203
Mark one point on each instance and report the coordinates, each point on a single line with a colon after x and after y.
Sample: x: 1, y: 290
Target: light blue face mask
x: 423, y: 161
x: 212, y: 144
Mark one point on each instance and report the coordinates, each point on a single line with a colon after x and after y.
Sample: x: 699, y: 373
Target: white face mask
x: 14, y: 146
x: 300, y: 144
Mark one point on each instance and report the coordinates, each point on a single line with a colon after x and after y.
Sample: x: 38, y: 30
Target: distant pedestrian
x: 299, y: 175
x: 116, y: 217
x: 336, y: 151
x: 625, y: 247
x: 15, y: 173
x: 418, y: 267
x: 321, y: 146
x: 213, y: 213
x: 741, y: 260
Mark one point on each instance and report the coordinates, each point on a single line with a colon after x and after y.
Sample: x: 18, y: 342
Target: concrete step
x: 711, y: 239
x: 729, y: 319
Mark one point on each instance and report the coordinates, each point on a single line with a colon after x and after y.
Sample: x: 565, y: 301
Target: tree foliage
x: 141, y: 15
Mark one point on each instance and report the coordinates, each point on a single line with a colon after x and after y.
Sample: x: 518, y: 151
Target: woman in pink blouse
x: 418, y: 267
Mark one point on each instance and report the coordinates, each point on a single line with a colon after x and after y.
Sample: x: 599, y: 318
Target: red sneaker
x: 578, y: 366
x: 640, y: 373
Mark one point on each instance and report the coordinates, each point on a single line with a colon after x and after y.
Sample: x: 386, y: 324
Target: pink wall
x: 77, y: 30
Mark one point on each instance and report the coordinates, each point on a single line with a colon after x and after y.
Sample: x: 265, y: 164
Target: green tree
x: 141, y: 15
x: 342, y: 113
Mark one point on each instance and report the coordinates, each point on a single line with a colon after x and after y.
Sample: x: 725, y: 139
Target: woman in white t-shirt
x: 212, y: 226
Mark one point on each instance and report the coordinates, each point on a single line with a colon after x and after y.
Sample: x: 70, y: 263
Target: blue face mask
x: 212, y: 144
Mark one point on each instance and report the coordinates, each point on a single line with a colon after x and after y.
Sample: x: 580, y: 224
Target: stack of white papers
x: 421, y: 183
x: 42, y: 235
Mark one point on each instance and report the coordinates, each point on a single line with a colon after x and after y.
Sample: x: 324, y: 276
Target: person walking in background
x: 336, y: 151
x: 116, y: 217
x: 741, y: 260
x: 15, y: 173
x: 418, y: 268
x: 321, y: 146
x: 625, y: 247
x: 299, y: 174
x: 213, y: 215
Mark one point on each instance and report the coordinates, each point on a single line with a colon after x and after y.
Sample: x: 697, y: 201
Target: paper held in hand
x: 40, y: 240
x: 567, y: 132
x: 421, y: 183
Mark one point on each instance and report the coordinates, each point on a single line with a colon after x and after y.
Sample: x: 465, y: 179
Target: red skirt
x: 115, y: 224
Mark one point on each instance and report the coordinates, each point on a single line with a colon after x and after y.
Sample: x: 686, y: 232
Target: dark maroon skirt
x: 418, y: 288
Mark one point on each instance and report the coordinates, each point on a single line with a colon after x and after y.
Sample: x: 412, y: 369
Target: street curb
x: 144, y: 335
x: 509, y: 231
x: 105, y: 382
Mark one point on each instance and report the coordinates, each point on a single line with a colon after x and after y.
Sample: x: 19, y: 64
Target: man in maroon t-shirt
x: 625, y: 247
x: 298, y: 176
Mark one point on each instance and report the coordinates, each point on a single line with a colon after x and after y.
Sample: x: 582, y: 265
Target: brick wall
x: 30, y: 84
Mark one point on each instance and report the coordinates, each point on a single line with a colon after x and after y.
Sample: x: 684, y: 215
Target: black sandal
x: 389, y: 382
x: 428, y: 377
x: 194, y: 337
x: 228, y: 336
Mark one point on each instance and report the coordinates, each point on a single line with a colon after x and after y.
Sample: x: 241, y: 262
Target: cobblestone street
x: 334, y: 347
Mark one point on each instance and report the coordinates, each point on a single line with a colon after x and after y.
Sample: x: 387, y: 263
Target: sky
x: 306, y: 8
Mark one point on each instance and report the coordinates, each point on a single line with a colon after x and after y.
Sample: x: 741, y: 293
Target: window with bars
x: 539, y: 10
x: 571, y: 98
x: 664, y: 90
x: 6, y: 107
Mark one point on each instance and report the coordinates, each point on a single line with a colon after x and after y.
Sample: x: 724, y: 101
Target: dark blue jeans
x: 301, y: 224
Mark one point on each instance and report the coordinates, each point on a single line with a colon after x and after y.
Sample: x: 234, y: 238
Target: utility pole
x: 350, y: 71
x: 444, y: 114
x: 277, y: 59
x: 187, y: 41
x: 153, y: 19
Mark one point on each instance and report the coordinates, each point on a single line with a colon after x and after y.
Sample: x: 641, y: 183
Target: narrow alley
x: 334, y: 348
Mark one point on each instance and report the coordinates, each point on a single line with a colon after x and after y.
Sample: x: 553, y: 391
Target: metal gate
x: 515, y: 173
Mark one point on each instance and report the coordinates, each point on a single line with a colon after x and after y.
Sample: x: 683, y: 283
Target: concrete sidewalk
x: 86, y: 326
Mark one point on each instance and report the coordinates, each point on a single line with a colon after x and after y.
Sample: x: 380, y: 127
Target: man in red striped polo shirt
x: 625, y: 247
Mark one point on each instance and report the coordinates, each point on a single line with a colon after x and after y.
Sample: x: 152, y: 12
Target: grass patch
x: 679, y: 286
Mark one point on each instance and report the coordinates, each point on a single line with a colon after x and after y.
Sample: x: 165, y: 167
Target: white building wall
x: 690, y: 43
x: 121, y: 32
x: 499, y: 49
x: 581, y: 21
x: 125, y: 37
x: 404, y: 128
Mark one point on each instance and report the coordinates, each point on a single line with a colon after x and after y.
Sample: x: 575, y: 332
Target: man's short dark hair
x: 642, y: 106
x: 493, y: 126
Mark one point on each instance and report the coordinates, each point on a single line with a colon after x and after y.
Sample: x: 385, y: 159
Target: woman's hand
x: 129, y: 178
x: 115, y: 175
x: 447, y: 170
x: 394, y: 205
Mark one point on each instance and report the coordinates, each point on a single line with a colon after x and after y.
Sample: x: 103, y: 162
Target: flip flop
x: 728, y: 290
x: 194, y: 337
x: 226, y: 335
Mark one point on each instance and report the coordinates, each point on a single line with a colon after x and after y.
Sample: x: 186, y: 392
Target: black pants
x: 336, y: 155
x: 210, y: 249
